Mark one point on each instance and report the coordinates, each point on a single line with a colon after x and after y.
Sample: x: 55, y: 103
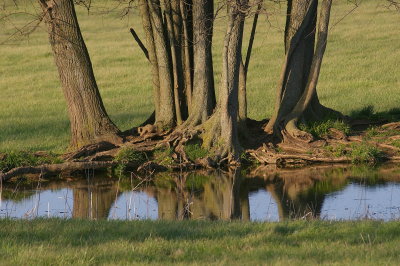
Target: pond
x: 262, y: 194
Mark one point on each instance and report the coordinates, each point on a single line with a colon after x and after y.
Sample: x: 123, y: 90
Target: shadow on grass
x: 367, y: 112
x: 90, y: 233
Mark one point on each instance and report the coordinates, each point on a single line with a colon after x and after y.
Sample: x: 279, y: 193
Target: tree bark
x: 88, y: 117
x: 165, y: 118
x: 221, y: 130
x: 148, y: 31
x: 299, y: 68
x: 203, y: 99
x: 244, y: 67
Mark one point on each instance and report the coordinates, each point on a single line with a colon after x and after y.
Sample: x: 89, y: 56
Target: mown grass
x: 80, y: 242
x: 360, y: 68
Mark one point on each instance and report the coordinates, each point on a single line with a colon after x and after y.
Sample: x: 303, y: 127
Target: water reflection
x: 264, y: 194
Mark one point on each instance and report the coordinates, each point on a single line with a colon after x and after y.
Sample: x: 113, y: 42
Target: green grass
x: 321, y: 128
x: 79, y: 242
x: 365, y: 153
x: 21, y: 158
x: 195, y: 151
x: 360, y: 68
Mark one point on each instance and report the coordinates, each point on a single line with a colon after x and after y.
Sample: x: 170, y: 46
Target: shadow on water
x: 262, y: 194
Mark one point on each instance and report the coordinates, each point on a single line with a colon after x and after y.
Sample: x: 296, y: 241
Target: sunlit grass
x: 80, y: 242
x: 360, y: 68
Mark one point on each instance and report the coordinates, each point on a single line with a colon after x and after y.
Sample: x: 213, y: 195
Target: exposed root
x: 267, y: 155
x: 89, y: 150
x: 334, y: 147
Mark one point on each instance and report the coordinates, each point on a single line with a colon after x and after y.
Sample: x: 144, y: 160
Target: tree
x: 88, y: 117
x: 203, y: 100
x: 297, y: 97
x: 221, y: 130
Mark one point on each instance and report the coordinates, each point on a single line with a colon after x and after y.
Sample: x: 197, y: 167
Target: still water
x: 262, y: 194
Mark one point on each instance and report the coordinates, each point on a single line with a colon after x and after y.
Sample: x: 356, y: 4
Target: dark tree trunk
x: 89, y: 120
x: 299, y: 72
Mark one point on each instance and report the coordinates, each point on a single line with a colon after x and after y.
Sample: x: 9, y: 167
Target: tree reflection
x: 93, y: 200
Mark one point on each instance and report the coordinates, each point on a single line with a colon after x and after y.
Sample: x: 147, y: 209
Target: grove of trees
x: 178, y: 42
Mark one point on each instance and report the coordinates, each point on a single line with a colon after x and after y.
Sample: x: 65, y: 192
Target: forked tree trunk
x: 88, y: 117
x: 301, y: 68
x: 221, y: 130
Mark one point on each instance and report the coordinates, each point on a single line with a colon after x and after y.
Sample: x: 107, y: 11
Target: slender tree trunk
x: 244, y: 67
x: 148, y: 31
x: 88, y: 117
x: 165, y: 118
x: 187, y: 51
x: 203, y: 99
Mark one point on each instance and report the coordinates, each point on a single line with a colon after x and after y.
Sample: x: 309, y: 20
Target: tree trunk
x: 299, y: 68
x: 148, y: 31
x: 165, y: 118
x: 187, y: 51
x: 221, y: 130
x: 88, y: 117
x: 203, y: 99
x: 244, y: 67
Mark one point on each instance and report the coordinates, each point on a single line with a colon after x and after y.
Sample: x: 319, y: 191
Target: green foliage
x: 396, y: 143
x: 23, y: 158
x: 84, y: 242
x: 338, y: 150
x: 130, y: 155
x: 321, y: 128
x: 195, y: 151
x: 379, y: 132
x: 163, y: 156
x: 365, y: 153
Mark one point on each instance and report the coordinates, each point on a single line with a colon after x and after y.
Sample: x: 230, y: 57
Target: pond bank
x: 333, y: 143
x: 57, y: 241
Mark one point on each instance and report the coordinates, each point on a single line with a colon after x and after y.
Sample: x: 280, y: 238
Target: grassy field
x: 361, y: 68
x: 60, y: 242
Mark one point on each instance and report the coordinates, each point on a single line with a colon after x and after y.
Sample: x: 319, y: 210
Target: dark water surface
x: 263, y: 194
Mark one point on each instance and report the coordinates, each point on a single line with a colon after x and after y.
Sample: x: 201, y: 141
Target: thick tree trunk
x: 203, y: 98
x: 299, y: 69
x: 89, y: 120
x: 221, y: 130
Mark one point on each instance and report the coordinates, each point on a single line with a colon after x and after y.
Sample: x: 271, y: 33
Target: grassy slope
x: 360, y: 68
x: 295, y: 243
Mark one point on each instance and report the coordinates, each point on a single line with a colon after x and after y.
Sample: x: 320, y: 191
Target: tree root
x: 267, y: 155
